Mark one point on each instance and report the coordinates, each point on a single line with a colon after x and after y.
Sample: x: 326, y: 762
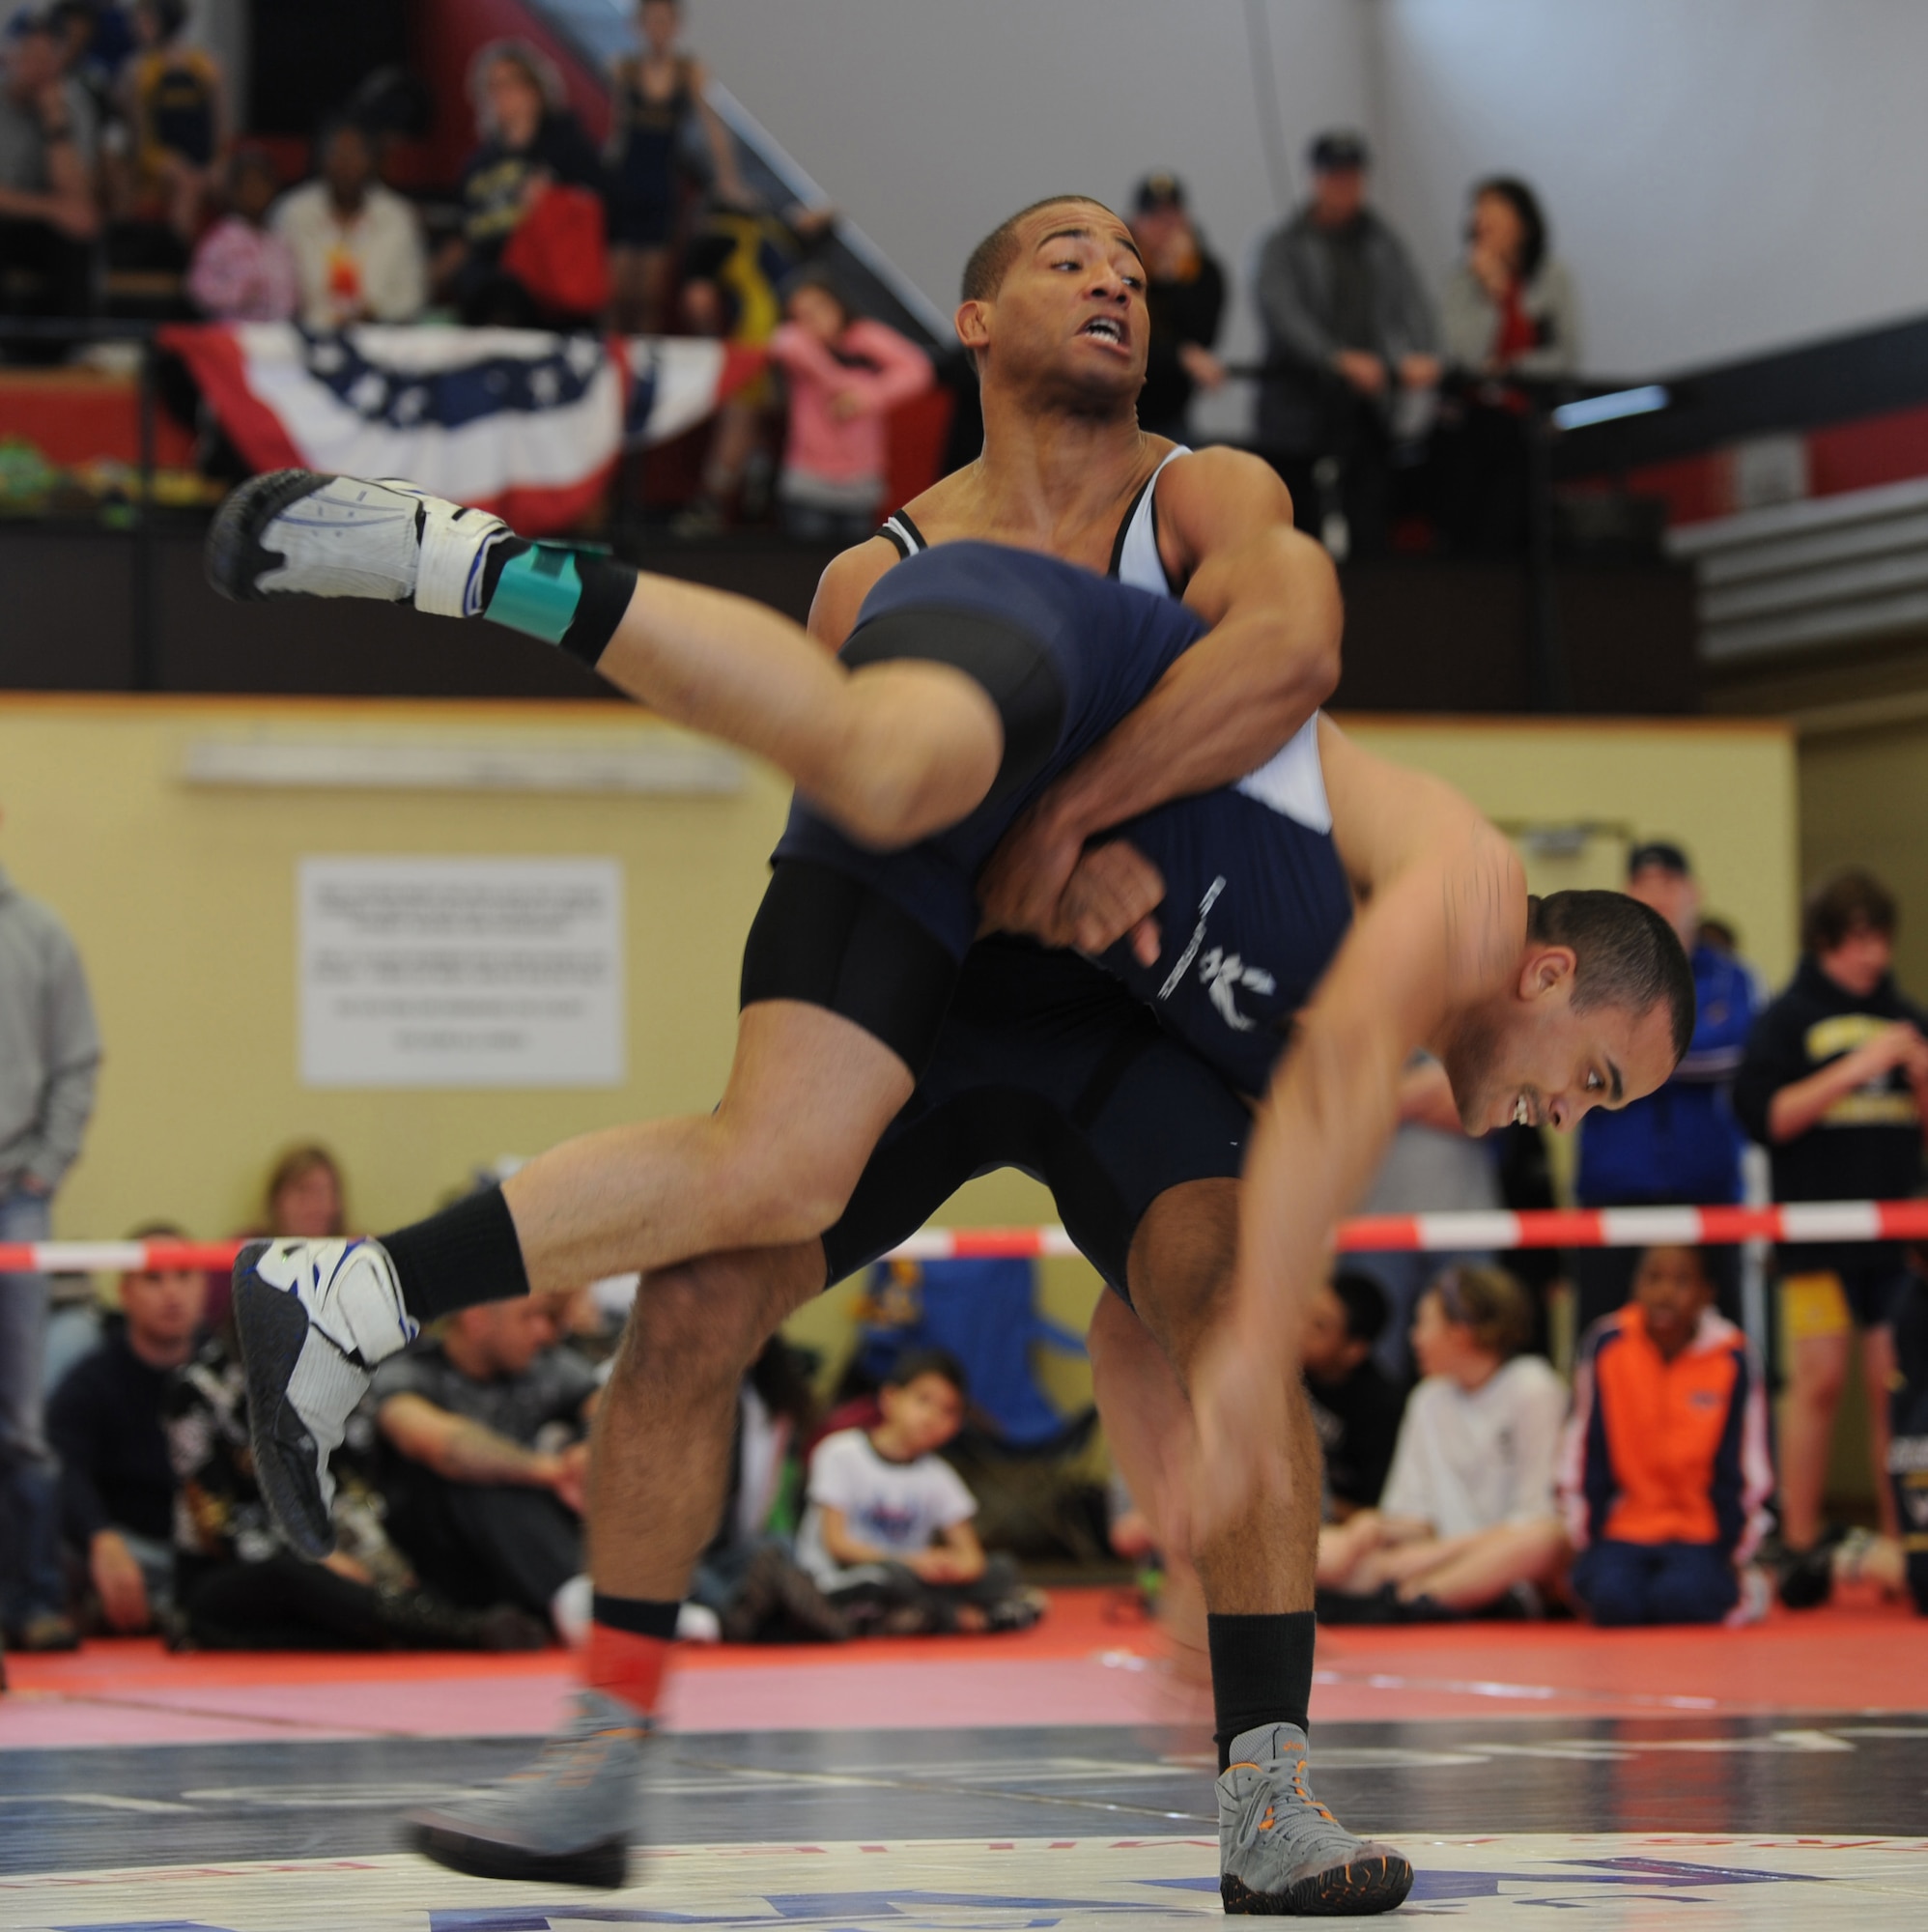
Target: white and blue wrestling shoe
x: 297, y: 533
x: 313, y: 1319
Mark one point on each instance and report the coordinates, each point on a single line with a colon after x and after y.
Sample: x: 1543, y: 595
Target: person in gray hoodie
x: 49, y: 1051
x: 1348, y: 330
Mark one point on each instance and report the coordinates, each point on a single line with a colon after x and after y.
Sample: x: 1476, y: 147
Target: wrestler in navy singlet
x: 1255, y: 904
x: 1048, y: 1063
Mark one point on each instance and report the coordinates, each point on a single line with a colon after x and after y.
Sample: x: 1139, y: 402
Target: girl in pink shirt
x: 845, y: 374
x: 242, y: 271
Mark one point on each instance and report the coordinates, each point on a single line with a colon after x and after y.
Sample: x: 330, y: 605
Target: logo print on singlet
x: 1220, y: 973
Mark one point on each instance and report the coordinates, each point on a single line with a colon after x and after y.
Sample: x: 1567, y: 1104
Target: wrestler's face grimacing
x: 1071, y: 310
x: 1530, y: 1055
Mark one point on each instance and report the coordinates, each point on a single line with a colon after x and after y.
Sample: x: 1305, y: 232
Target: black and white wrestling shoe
x: 313, y: 1319
x: 297, y: 533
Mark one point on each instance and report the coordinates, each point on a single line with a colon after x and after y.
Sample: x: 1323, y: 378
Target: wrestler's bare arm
x: 1271, y: 596
x: 1272, y: 658
x: 846, y: 581
x: 1441, y: 922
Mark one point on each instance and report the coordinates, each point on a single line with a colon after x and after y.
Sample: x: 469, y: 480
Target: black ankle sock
x: 639, y: 1616
x: 1261, y: 1673
x: 567, y: 597
x: 466, y: 1254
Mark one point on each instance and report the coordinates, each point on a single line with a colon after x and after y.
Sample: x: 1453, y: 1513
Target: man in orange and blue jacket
x: 1665, y: 1474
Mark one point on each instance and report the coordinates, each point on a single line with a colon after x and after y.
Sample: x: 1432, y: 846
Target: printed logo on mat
x: 1767, y: 1884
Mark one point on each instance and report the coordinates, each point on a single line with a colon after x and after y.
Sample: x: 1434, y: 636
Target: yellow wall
x: 182, y: 901
x: 1864, y: 801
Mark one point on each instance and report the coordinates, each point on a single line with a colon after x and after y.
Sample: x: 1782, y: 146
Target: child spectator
x: 177, y: 109
x: 1354, y: 1406
x: 242, y: 271
x: 105, y: 1422
x: 732, y: 269
x: 845, y: 373
x: 239, y: 1587
x: 1664, y: 1475
x: 357, y: 246
x: 1467, y: 1522
x: 888, y: 1536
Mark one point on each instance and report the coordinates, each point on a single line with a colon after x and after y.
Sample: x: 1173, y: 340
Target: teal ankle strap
x: 537, y: 594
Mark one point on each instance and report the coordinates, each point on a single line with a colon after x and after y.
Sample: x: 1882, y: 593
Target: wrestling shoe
x: 566, y: 1820
x: 1281, y: 1853
x: 295, y: 533
x: 313, y: 1319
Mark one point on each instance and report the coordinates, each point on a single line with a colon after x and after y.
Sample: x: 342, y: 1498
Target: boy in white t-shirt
x: 887, y: 1535
x: 1468, y: 1523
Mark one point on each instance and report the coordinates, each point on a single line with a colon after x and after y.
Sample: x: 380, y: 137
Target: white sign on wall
x: 460, y: 971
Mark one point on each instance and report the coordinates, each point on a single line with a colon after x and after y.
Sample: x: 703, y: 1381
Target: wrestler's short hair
x: 992, y: 258
x: 1625, y: 954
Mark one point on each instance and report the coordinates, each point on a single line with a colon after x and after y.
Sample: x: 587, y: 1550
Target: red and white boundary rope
x: 1425, y: 1234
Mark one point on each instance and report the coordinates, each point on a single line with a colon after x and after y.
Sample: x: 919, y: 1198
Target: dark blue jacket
x: 1683, y: 1143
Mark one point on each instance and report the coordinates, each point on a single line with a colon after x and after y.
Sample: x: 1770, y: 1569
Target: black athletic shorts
x: 1045, y: 1064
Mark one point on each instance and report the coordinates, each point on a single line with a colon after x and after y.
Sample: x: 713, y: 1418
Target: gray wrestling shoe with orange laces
x: 567, y: 1820
x: 1281, y: 1853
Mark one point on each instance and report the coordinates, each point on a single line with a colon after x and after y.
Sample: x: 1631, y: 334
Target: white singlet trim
x: 1138, y: 560
x: 1292, y: 781
x: 904, y: 534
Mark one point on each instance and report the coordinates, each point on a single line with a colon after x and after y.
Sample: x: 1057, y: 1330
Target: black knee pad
x: 1012, y: 666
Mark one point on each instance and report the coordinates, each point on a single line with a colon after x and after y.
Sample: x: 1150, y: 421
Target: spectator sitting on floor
x: 48, y: 211
x: 530, y: 142
x: 484, y: 1462
x: 748, y: 1579
x: 1354, y: 1406
x: 177, y: 108
x: 1834, y: 1082
x: 844, y: 373
x: 1467, y: 1522
x: 105, y: 1423
x: 242, y: 270
x: 1665, y: 1474
x: 306, y: 1195
x: 1184, y: 297
x: 887, y: 1535
x: 357, y: 246
x: 237, y: 1585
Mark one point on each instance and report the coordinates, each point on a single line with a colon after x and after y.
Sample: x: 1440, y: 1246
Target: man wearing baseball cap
x: 1348, y: 328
